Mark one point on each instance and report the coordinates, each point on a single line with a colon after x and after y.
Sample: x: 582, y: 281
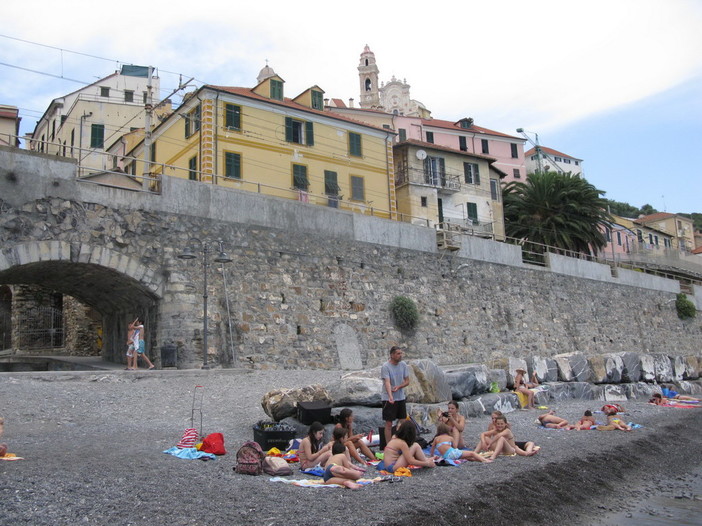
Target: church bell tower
x: 368, y: 76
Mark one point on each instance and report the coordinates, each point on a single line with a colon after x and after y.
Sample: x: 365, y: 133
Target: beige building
x: 679, y: 228
x: 9, y: 125
x: 84, y: 123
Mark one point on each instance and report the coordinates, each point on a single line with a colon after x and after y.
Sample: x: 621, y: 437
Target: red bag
x: 214, y: 443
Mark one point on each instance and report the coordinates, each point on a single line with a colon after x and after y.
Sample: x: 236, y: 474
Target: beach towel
x: 11, y: 456
x: 317, y: 471
x: 316, y: 483
x: 189, y: 453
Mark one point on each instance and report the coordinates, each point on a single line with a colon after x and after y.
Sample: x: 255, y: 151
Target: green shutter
x: 331, y: 186
x: 309, y: 133
x: 357, y: 193
x: 403, y: 134
x: 192, y: 167
x: 317, y: 100
x: 300, y: 177
x: 476, y: 174
x: 355, y: 144
x: 232, y: 165
x: 187, y: 126
x: 97, y: 135
x: 276, y: 90
x: 472, y: 211
x: 288, y: 129
x: 233, y: 117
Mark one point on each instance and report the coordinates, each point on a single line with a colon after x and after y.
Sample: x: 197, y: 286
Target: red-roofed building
x: 259, y: 140
x: 552, y: 161
x: 681, y: 229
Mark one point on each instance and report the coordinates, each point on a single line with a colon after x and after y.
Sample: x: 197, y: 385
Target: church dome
x: 265, y: 73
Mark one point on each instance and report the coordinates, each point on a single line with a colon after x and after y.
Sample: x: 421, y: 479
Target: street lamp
x: 222, y: 257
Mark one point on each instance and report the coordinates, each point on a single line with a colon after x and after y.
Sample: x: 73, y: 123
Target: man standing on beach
x: 395, y: 376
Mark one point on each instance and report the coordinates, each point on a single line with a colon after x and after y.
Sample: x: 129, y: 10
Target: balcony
x: 444, y: 182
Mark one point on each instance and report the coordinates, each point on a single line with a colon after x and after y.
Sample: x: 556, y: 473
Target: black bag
x: 316, y: 411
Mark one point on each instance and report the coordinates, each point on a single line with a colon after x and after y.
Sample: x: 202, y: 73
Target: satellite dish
x: 421, y: 155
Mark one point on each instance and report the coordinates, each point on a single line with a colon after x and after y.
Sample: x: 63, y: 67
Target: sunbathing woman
x: 403, y: 451
x: 311, y: 451
x: 339, y: 470
x: 503, y: 443
x: 659, y: 399
x: 455, y: 421
x: 614, y: 423
x: 445, y: 445
x: 353, y: 442
x: 551, y: 421
x: 524, y: 387
x: 587, y: 421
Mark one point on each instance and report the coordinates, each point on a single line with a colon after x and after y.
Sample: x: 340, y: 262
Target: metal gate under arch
x: 41, y: 328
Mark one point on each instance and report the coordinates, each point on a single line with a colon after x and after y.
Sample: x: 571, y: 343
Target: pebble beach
x: 93, y: 444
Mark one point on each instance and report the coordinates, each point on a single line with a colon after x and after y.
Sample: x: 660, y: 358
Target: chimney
x: 350, y: 103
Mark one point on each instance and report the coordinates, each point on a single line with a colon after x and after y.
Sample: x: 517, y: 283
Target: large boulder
x: 487, y: 403
x: 432, y: 382
x: 281, y: 403
x: 631, y: 372
x: 615, y: 393
x: 606, y: 368
x: 640, y: 390
x: 546, y: 369
x: 499, y: 376
x: 679, y: 366
x: 465, y: 375
x: 571, y: 390
x: 692, y: 367
x: 573, y: 367
x: 356, y: 389
x: 648, y: 367
x: 663, y: 368
x: 598, y: 365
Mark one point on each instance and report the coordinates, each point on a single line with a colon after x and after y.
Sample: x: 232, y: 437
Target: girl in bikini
x: 339, y: 470
x: 353, y: 442
x: 445, y: 445
x: 586, y: 422
x: 455, y: 421
x: 486, y: 437
x: 524, y: 387
x: 403, y: 451
x: 311, y: 451
x: 502, y: 442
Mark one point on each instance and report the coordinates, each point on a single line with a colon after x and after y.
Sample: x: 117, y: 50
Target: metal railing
x: 446, y: 179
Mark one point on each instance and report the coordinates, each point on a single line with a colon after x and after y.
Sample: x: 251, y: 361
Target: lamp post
x: 222, y: 257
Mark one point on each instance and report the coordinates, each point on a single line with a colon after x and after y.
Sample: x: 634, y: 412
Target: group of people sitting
x: 403, y: 450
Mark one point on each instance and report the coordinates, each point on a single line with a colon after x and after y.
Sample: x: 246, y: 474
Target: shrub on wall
x: 686, y: 309
x: 405, y: 312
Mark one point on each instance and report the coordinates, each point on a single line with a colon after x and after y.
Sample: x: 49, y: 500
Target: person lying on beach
x: 522, y: 386
x: 339, y: 470
x: 445, y: 445
x: 311, y: 450
x: 551, y: 421
x: 659, y: 399
x: 613, y: 422
x: 502, y: 442
x: 403, y: 451
x: 455, y: 421
x: 586, y: 422
x: 353, y: 442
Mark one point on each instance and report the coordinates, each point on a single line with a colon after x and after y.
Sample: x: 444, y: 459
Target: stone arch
x: 116, y: 285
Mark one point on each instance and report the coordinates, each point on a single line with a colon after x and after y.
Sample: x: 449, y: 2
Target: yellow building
x: 681, y: 229
x: 261, y: 141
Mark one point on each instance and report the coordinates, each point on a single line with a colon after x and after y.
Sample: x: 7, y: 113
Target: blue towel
x: 190, y: 453
x: 317, y: 471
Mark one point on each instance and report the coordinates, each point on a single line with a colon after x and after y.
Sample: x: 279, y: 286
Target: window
x: 472, y: 212
x: 128, y: 96
x: 619, y: 238
x: 63, y: 119
x: 73, y: 140
x: 232, y: 165
x: 300, y: 132
x: 357, y: 190
x: 276, y: 89
x: 655, y: 240
x: 515, y: 152
x: 434, y: 171
x: 485, y: 146
x: 463, y: 144
x: 104, y: 92
x: 403, y: 134
x: 152, y: 157
x: 53, y: 129
x: 355, y: 144
x: 192, y: 122
x: 650, y: 239
x: 145, y: 96
x: 472, y: 173
x: 317, y: 100
x: 423, y: 200
x: 430, y: 137
x: 192, y: 168
x: 558, y: 159
x: 608, y: 235
x: 331, y: 186
x: 97, y: 135
x: 576, y: 163
x: 494, y: 190
x: 516, y: 173
x: 567, y: 161
x: 300, y: 180
x: 533, y: 157
x: 232, y: 116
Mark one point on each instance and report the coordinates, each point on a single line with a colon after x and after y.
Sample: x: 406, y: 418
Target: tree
x: 623, y: 209
x: 647, y: 210
x: 560, y: 210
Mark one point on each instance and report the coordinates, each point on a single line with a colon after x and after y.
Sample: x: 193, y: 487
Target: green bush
x: 405, y: 312
x: 686, y: 309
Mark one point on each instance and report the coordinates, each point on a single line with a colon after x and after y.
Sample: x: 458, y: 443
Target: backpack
x: 276, y: 466
x: 214, y: 443
x: 249, y: 459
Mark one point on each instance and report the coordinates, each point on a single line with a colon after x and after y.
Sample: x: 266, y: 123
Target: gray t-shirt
x: 397, y: 374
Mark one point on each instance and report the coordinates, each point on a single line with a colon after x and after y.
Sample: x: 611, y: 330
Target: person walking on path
x: 395, y: 376
x: 140, y: 345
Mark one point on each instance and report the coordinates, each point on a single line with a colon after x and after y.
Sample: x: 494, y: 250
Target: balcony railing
x: 443, y: 181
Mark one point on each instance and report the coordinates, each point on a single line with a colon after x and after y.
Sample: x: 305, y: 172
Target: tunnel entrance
x: 113, y: 299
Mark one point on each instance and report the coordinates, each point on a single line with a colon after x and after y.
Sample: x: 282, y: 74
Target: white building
x: 552, y: 161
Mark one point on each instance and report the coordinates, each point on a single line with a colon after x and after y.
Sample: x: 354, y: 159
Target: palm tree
x: 560, y: 210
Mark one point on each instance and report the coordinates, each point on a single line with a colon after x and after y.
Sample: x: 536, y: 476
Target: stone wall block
x: 615, y: 393
x: 679, y: 367
x: 640, y: 390
x: 573, y: 367
x: 479, y: 372
x: 615, y: 368
x: 505, y: 402
x: 546, y: 369
x: 632, y: 371
x: 571, y: 390
x: 663, y: 368
x: 692, y: 368
x: 356, y: 390
x: 598, y: 365
x: 648, y: 368
x: 432, y: 380
x: 499, y: 376
x: 462, y: 384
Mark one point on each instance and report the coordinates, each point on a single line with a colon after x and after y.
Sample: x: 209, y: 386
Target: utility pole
x: 149, y: 108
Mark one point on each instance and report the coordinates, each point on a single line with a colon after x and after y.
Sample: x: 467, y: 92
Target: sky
x: 617, y: 83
